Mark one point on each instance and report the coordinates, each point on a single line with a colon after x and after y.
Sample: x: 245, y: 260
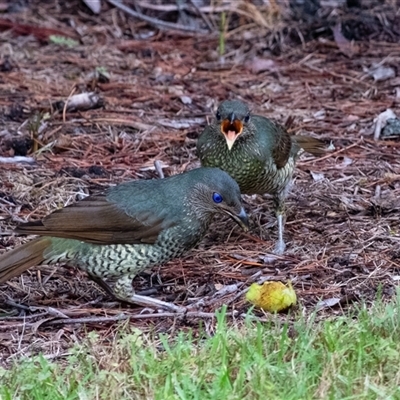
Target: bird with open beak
x: 231, y: 127
x: 258, y: 153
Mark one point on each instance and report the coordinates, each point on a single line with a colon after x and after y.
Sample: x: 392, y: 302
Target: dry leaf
x: 343, y: 44
x: 328, y: 303
x: 84, y: 101
x: 186, y: 100
x: 317, y: 176
x: 380, y: 72
x: 321, y: 114
x: 257, y: 64
x: 381, y: 120
x: 183, y: 123
x: 94, y: 5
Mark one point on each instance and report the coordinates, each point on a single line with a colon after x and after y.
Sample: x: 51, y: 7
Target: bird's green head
x: 215, y: 192
x: 232, y: 115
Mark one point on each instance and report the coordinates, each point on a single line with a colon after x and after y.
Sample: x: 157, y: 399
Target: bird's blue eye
x: 218, y: 116
x: 217, y: 197
x: 246, y: 118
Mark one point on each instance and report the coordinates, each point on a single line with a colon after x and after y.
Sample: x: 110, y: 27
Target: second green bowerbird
x: 258, y: 153
x: 129, y: 228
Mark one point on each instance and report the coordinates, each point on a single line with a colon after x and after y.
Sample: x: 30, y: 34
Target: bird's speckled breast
x: 252, y: 175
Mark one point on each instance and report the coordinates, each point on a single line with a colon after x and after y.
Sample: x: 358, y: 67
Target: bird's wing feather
x: 282, y: 150
x: 207, y: 136
x: 96, y: 219
x: 310, y: 145
x: 274, y: 139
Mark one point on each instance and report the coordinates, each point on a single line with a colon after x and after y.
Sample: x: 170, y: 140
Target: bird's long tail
x: 310, y: 145
x: 18, y: 260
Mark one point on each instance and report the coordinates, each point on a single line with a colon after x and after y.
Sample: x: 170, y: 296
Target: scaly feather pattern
x: 130, y: 227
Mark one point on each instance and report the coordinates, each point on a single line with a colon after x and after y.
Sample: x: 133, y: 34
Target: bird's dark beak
x: 231, y: 127
x: 241, y: 219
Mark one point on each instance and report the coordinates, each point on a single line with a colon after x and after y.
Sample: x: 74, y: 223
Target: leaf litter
x: 158, y: 88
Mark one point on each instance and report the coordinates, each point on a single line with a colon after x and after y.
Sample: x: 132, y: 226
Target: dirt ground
x: 157, y: 89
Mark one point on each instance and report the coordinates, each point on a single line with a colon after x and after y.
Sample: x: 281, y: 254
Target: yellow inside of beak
x: 231, y: 130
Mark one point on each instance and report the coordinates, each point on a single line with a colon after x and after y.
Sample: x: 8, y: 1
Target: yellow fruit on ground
x: 272, y: 296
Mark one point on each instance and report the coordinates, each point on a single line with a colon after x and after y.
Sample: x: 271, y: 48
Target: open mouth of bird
x: 231, y: 130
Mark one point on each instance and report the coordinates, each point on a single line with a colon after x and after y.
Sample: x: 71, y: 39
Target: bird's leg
x: 279, y: 201
x: 123, y: 290
x: 104, y: 285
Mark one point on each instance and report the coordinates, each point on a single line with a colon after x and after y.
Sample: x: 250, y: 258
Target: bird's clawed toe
x: 280, y: 247
x: 156, y: 304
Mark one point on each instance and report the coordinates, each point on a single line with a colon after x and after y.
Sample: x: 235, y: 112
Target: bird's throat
x: 230, y: 138
x: 231, y: 130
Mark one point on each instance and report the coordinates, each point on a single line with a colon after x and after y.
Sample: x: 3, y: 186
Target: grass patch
x: 349, y: 357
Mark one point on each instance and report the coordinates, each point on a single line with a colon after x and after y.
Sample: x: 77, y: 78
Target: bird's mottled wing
x: 283, y: 147
x: 96, y: 219
x: 275, y: 138
x: 206, y: 139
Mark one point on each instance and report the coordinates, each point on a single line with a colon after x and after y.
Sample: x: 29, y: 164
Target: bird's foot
x: 155, y: 303
x: 280, y: 247
x: 123, y: 290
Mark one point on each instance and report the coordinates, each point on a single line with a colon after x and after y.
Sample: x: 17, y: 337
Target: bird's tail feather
x: 310, y: 145
x: 18, y: 260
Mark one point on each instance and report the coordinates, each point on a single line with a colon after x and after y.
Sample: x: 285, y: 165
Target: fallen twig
x: 329, y: 155
x: 17, y: 159
x: 87, y: 320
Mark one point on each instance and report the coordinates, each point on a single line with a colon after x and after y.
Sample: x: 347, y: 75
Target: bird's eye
x: 217, y: 197
x: 218, y: 116
x: 246, y: 118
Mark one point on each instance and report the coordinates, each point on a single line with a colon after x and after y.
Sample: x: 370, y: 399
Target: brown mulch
x: 158, y: 89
